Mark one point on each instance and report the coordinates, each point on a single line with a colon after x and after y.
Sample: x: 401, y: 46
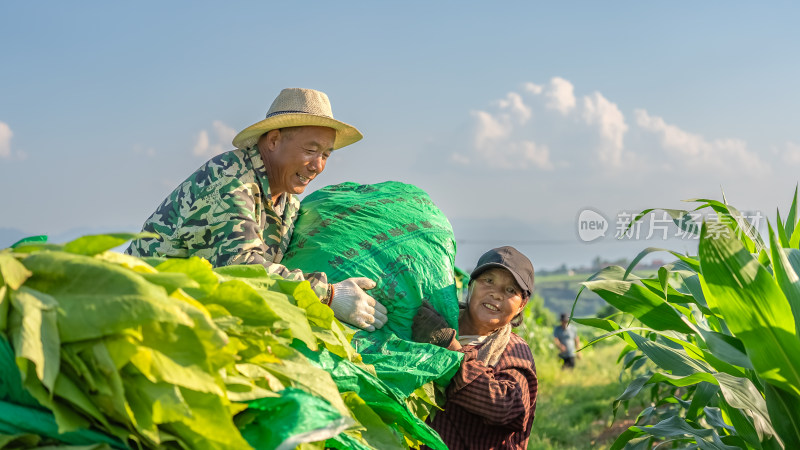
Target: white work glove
x: 352, y: 305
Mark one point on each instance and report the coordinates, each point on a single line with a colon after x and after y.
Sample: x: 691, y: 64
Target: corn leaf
x: 634, y: 299
x: 707, y: 439
x: 784, y: 410
x: 791, y: 218
x: 785, y: 267
x: 740, y: 393
x: 744, y: 230
x: 673, y: 360
x: 754, y: 307
x: 782, y: 237
x: 702, y: 396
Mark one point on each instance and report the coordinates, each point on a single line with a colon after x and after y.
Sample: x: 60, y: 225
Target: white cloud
x: 493, y: 146
x: 561, y: 94
x: 538, y: 155
x: 459, y: 158
x: 223, y: 135
x: 696, y: 152
x: 489, y: 129
x: 561, y: 122
x: 513, y: 102
x: 144, y: 151
x: 791, y: 154
x: 201, y: 145
x: 5, y: 140
x: 597, y: 110
x: 534, y: 89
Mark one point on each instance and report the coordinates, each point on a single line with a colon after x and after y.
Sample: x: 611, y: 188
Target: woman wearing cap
x: 240, y: 206
x: 492, y: 398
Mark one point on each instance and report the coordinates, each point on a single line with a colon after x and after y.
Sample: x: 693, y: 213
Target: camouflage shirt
x: 223, y: 212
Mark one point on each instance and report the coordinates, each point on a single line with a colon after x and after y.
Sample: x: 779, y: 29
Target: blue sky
x: 513, y: 116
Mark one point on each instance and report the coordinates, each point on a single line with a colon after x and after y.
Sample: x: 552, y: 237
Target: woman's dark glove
x: 430, y: 327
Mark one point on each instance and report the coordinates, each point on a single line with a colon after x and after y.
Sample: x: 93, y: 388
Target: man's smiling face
x: 295, y: 156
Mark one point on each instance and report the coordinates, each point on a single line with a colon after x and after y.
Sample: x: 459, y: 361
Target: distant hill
x: 559, y: 291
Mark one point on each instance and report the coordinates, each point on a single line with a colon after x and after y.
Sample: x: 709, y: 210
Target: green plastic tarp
x: 389, y: 232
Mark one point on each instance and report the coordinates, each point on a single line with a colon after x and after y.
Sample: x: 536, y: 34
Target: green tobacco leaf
x: 4, y: 302
x: 97, y: 298
x: 377, y: 434
x: 785, y: 267
x: 198, y: 269
x: 108, y: 390
x: 34, y: 333
x: 262, y: 307
x: 171, y: 281
x: 12, y: 272
x: 784, y: 410
x: 754, y: 307
x: 326, y: 327
x: 632, y: 298
x: 98, y: 243
x: 210, y: 426
x: 158, y: 367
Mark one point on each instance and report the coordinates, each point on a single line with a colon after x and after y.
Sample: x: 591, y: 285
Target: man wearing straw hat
x: 240, y: 206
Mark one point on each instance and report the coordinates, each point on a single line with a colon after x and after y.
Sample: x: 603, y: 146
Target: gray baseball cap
x: 510, y: 259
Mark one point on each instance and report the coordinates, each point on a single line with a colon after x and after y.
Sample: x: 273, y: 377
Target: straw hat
x: 295, y: 107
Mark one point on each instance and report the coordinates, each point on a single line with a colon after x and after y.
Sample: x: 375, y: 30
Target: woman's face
x: 495, y: 298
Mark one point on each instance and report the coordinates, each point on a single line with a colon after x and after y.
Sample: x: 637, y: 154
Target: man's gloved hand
x: 352, y: 305
x: 430, y: 327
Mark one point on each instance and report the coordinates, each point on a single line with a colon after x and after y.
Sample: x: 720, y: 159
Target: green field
x: 574, y: 408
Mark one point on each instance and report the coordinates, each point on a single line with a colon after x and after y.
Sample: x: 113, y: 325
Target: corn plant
x: 720, y: 331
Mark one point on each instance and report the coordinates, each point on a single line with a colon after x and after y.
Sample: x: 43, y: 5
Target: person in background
x: 492, y: 398
x: 240, y: 207
x: 567, y: 340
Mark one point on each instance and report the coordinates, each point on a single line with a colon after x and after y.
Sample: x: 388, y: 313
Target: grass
x: 574, y: 407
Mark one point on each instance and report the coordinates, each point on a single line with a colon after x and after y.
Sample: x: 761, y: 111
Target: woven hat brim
x: 345, y: 134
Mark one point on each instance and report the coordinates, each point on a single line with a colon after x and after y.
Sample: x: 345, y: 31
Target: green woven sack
x: 389, y: 232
